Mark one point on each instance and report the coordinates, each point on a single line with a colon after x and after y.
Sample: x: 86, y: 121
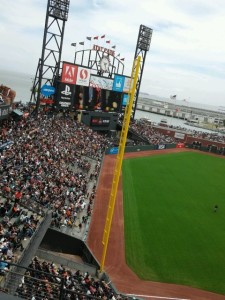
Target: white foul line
x: 158, y: 297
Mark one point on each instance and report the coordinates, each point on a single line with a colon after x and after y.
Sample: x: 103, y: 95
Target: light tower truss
x: 48, y: 65
x: 142, y: 47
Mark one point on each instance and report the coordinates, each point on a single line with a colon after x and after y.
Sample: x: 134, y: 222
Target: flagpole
x: 89, y: 38
x: 74, y: 45
x: 103, y: 37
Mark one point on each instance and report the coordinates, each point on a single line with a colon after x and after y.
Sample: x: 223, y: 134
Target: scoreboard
x: 100, y: 121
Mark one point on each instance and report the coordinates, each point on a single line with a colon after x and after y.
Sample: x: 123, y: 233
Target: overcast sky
x: 187, y: 53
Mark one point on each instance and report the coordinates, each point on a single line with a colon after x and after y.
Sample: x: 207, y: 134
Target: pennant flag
x: 108, y: 42
x: 74, y: 44
x: 88, y: 38
x: 81, y: 43
x: 95, y: 37
x: 122, y: 58
x: 173, y: 97
x: 114, y: 47
x: 103, y: 36
x: 118, y: 55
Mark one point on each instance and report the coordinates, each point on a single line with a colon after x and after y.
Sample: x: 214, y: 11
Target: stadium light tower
x: 49, y: 63
x: 142, y: 47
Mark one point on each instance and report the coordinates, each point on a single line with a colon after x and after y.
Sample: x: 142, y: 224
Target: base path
x: 122, y: 277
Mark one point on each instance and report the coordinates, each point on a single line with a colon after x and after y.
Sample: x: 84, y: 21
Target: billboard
x: 83, y: 76
x: 101, y: 82
x: 47, y: 90
x: 4, y: 111
x: 118, y: 83
x: 65, y: 95
x: 125, y: 99
x: 127, y: 84
x: 69, y: 73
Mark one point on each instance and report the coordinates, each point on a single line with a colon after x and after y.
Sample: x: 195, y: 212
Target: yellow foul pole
x: 119, y: 159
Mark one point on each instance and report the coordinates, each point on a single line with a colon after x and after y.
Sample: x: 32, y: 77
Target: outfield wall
x: 205, y: 143
x: 138, y: 148
x: 211, y: 149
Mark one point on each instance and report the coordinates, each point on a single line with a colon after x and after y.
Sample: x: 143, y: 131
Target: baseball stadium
x: 96, y: 203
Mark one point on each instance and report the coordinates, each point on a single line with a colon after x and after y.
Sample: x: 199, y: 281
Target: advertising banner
x: 125, y: 99
x: 83, y: 76
x: 180, y: 145
x: 4, y: 111
x: 47, y: 90
x: 69, y: 73
x: 161, y: 147
x: 114, y: 150
x: 101, y: 83
x: 127, y: 83
x: 179, y: 135
x: 118, y: 83
x: 65, y: 95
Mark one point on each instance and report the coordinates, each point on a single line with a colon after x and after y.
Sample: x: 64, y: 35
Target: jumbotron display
x: 81, y: 90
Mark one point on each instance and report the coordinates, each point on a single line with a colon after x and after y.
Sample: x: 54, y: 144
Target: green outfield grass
x: 172, y: 233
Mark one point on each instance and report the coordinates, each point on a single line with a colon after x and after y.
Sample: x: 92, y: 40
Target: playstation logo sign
x: 67, y: 91
x: 65, y: 95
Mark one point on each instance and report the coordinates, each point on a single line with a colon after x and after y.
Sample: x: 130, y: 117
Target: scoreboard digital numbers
x: 100, y: 121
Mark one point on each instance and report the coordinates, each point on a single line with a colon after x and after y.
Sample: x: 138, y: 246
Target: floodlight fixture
x: 59, y: 9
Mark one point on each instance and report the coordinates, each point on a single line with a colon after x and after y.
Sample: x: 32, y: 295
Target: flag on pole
x: 74, y: 44
x: 95, y: 37
x: 81, y: 43
x: 103, y: 36
x: 108, y: 42
x: 173, y: 97
x: 114, y: 47
x: 122, y: 58
x: 88, y: 38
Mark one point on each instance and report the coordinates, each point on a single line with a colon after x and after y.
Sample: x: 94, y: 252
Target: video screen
x: 89, y: 98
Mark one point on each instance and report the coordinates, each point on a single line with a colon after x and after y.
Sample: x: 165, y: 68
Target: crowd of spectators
x: 146, y: 130
x: 43, y: 280
x: 205, y: 135
x: 46, y: 166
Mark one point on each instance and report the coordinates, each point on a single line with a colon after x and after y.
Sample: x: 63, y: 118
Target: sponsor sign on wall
x: 179, y: 135
x: 65, y: 95
x: 125, y: 99
x: 83, y: 76
x: 47, y: 90
x: 114, y: 150
x: 100, y: 82
x: 161, y: 147
x: 118, y: 83
x: 127, y: 83
x: 69, y: 73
